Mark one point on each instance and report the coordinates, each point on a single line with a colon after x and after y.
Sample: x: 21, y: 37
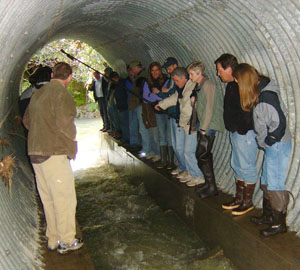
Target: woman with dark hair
x: 155, y: 124
x: 260, y: 94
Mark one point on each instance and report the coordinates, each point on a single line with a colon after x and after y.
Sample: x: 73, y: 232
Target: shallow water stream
x: 122, y: 226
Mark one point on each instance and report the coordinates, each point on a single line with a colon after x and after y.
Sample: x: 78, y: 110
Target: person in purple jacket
x: 154, y: 135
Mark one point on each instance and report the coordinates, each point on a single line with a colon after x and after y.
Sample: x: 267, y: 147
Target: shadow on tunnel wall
x: 264, y: 33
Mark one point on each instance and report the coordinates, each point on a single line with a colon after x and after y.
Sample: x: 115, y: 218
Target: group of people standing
x: 173, y: 121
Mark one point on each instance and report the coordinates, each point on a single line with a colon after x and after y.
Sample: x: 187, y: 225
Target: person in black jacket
x: 239, y: 123
x: 121, y: 97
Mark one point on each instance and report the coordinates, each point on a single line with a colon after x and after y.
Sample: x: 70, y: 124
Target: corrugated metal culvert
x: 264, y: 33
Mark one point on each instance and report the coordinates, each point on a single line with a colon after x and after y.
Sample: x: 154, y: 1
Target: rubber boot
x: 239, y: 196
x: 206, y: 166
x: 266, y: 217
x: 279, y: 201
x: 247, y: 204
x: 171, y: 156
x: 205, y: 163
x: 164, y: 157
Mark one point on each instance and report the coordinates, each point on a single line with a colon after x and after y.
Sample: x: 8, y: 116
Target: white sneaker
x: 175, y: 171
x: 183, y: 174
x: 186, y: 179
x: 64, y: 248
x: 156, y: 158
x: 195, y: 181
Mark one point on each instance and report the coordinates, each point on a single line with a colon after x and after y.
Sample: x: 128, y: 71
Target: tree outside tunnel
x: 50, y: 54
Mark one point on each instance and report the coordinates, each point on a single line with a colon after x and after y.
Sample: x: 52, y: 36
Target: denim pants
x: 243, y: 156
x: 149, y: 136
x: 134, y: 126
x: 276, y: 161
x: 124, y: 125
x: 163, y: 125
x: 102, y: 104
x: 186, y: 145
x: 179, y: 151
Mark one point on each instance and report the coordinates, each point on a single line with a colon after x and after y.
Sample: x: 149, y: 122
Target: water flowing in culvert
x: 122, y: 226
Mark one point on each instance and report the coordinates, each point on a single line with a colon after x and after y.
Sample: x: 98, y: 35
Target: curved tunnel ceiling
x: 264, y: 33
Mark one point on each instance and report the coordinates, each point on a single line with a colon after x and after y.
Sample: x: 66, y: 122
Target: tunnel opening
x: 263, y: 33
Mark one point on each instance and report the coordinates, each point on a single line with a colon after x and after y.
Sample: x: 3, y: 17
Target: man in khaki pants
x: 51, y: 144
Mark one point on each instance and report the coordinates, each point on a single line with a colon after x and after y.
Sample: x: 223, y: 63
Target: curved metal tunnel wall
x: 264, y: 33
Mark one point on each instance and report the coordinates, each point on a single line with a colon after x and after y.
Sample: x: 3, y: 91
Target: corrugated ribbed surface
x: 264, y: 33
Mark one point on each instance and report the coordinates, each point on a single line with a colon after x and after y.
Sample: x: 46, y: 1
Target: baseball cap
x: 169, y: 61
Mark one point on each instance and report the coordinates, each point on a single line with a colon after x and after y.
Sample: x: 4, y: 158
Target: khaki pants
x: 55, y: 183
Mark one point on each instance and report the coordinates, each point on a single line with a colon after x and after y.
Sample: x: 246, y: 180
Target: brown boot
x: 239, y: 196
x: 247, y: 204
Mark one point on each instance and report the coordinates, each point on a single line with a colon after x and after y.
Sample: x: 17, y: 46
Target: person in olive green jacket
x: 49, y: 119
x: 207, y: 118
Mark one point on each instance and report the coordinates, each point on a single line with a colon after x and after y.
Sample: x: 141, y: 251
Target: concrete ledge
x: 239, y: 238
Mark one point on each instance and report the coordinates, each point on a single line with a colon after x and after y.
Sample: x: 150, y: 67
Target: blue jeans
x: 134, y: 126
x: 276, y: 161
x: 124, y: 125
x: 186, y: 145
x: 178, y: 149
x: 163, y: 125
x: 149, y: 136
x: 243, y: 156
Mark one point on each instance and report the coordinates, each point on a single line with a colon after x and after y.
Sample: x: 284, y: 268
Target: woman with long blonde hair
x: 261, y: 94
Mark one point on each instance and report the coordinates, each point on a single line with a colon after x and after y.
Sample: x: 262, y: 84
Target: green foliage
x: 51, y: 54
x: 78, y: 91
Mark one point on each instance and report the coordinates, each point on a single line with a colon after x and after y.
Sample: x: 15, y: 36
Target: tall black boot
x: 171, y: 156
x: 164, y: 157
x: 206, y: 166
x: 266, y: 217
x: 279, y: 201
x: 239, y: 196
x: 204, y: 156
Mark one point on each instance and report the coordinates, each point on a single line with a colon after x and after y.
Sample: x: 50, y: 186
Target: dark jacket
x: 121, y: 96
x: 235, y: 119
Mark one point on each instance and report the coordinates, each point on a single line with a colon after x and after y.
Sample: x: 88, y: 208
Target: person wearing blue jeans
x: 262, y: 95
x: 152, y: 87
x: 185, y: 142
x: 134, y: 85
x: 244, y: 148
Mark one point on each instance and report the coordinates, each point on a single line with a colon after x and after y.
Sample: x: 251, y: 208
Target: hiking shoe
x: 183, y: 174
x: 175, y: 171
x: 195, y: 181
x: 53, y: 246
x: 186, y: 179
x: 64, y: 248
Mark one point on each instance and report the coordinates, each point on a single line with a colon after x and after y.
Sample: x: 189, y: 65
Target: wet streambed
x: 122, y: 226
